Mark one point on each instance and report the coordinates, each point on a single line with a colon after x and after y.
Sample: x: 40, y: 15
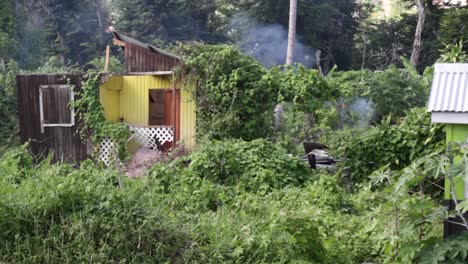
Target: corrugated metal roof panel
x: 449, y: 92
x: 124, y: 38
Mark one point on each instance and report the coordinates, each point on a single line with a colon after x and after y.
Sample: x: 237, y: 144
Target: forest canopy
x: 351, y: 35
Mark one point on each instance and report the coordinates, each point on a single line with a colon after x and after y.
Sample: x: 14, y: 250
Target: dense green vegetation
x: 236, y: 95
x: 8, y: 109
x: 228, y: 201
x: 238, y: 197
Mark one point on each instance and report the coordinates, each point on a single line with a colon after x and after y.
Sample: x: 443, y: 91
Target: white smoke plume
x: 267, y: 42
x: 362, y: 111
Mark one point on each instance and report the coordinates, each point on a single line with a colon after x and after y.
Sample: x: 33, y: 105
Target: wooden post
x: 106, y: 62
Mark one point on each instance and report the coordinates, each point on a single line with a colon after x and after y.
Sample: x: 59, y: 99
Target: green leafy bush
x: 60, y: 214
x: 231, y: 103
x: 232, y: 201
x: 236, y: 95
x: 363, y: 151
x: 304, y: 88
x: 302, y: 93
x: 454, y: 53
x: 16, y: 164
x: 278, y: 227
x: 256, y: 166
x: 8, y: 109
x: 390, y: 92
x: 452, y: 250
x: 55, y: 213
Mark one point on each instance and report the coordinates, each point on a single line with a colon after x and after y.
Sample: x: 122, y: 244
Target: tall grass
x: 55, y: 213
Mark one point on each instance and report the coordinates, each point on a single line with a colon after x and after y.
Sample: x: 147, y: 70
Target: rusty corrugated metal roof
x: 449, y: 92
x: 128, y: 39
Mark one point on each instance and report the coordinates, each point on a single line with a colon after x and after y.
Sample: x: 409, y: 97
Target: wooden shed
x: 448, y: 105
x: 45, y: 118
x: 146, y: 97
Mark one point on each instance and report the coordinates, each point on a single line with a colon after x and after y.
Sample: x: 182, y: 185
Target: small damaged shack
x: 448, y: 104
x: 147, y: 98
x: 45, y: 118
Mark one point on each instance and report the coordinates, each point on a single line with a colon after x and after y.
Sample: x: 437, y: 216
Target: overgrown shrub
x: 303, y: 88
x: 232, y: 201
x: 365, y: 150
x: 236, y: 95
x: 389, y: 92
x: 452, y: 250
x: 54, y: 213
x: 256, y: 166
x: 231, y: 103
x: 8, y: 109
x: 302, y: 93
x: 57, y: 214
x: 16, y: 164
x: 279, y: 227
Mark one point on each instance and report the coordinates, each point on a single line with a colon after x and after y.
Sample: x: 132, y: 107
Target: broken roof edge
x: 133, y: 41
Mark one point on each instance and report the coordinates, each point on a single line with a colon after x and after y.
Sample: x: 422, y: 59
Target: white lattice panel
x: 146, y: 136
x: 107, y: 151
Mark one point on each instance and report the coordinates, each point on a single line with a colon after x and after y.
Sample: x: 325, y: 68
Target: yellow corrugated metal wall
x: 133, y: 103
x: 109, y: 96
x: 134, y: 98
x: 187, y: 118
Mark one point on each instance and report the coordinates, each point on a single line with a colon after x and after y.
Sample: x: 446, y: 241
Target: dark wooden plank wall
x: 138, y: 59
x: 56, y: 110
x: 64, y: 142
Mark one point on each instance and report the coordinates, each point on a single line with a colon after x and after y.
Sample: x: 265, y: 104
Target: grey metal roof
x: 449, y: 92
x: 133, y: 41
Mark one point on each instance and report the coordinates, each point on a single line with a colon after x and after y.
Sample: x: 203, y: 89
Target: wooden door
x: 161, y: 110
x: 157, y: 107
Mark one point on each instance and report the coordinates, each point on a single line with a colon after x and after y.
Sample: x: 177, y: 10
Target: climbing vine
x: 236, y: 95
x: 230, y: 101
x: 91, y: 114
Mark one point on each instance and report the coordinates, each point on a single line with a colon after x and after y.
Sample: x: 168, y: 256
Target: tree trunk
x: 289, y: 55
x: 415, y: 56
x: 318, y: 61
x: 328, y: 64
x: 292, y: 32
x: 98, y: 15
x: 61, y: 54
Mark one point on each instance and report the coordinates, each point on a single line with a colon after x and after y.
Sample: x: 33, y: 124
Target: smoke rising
x: 362, y: 111
x: 267, y: 42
